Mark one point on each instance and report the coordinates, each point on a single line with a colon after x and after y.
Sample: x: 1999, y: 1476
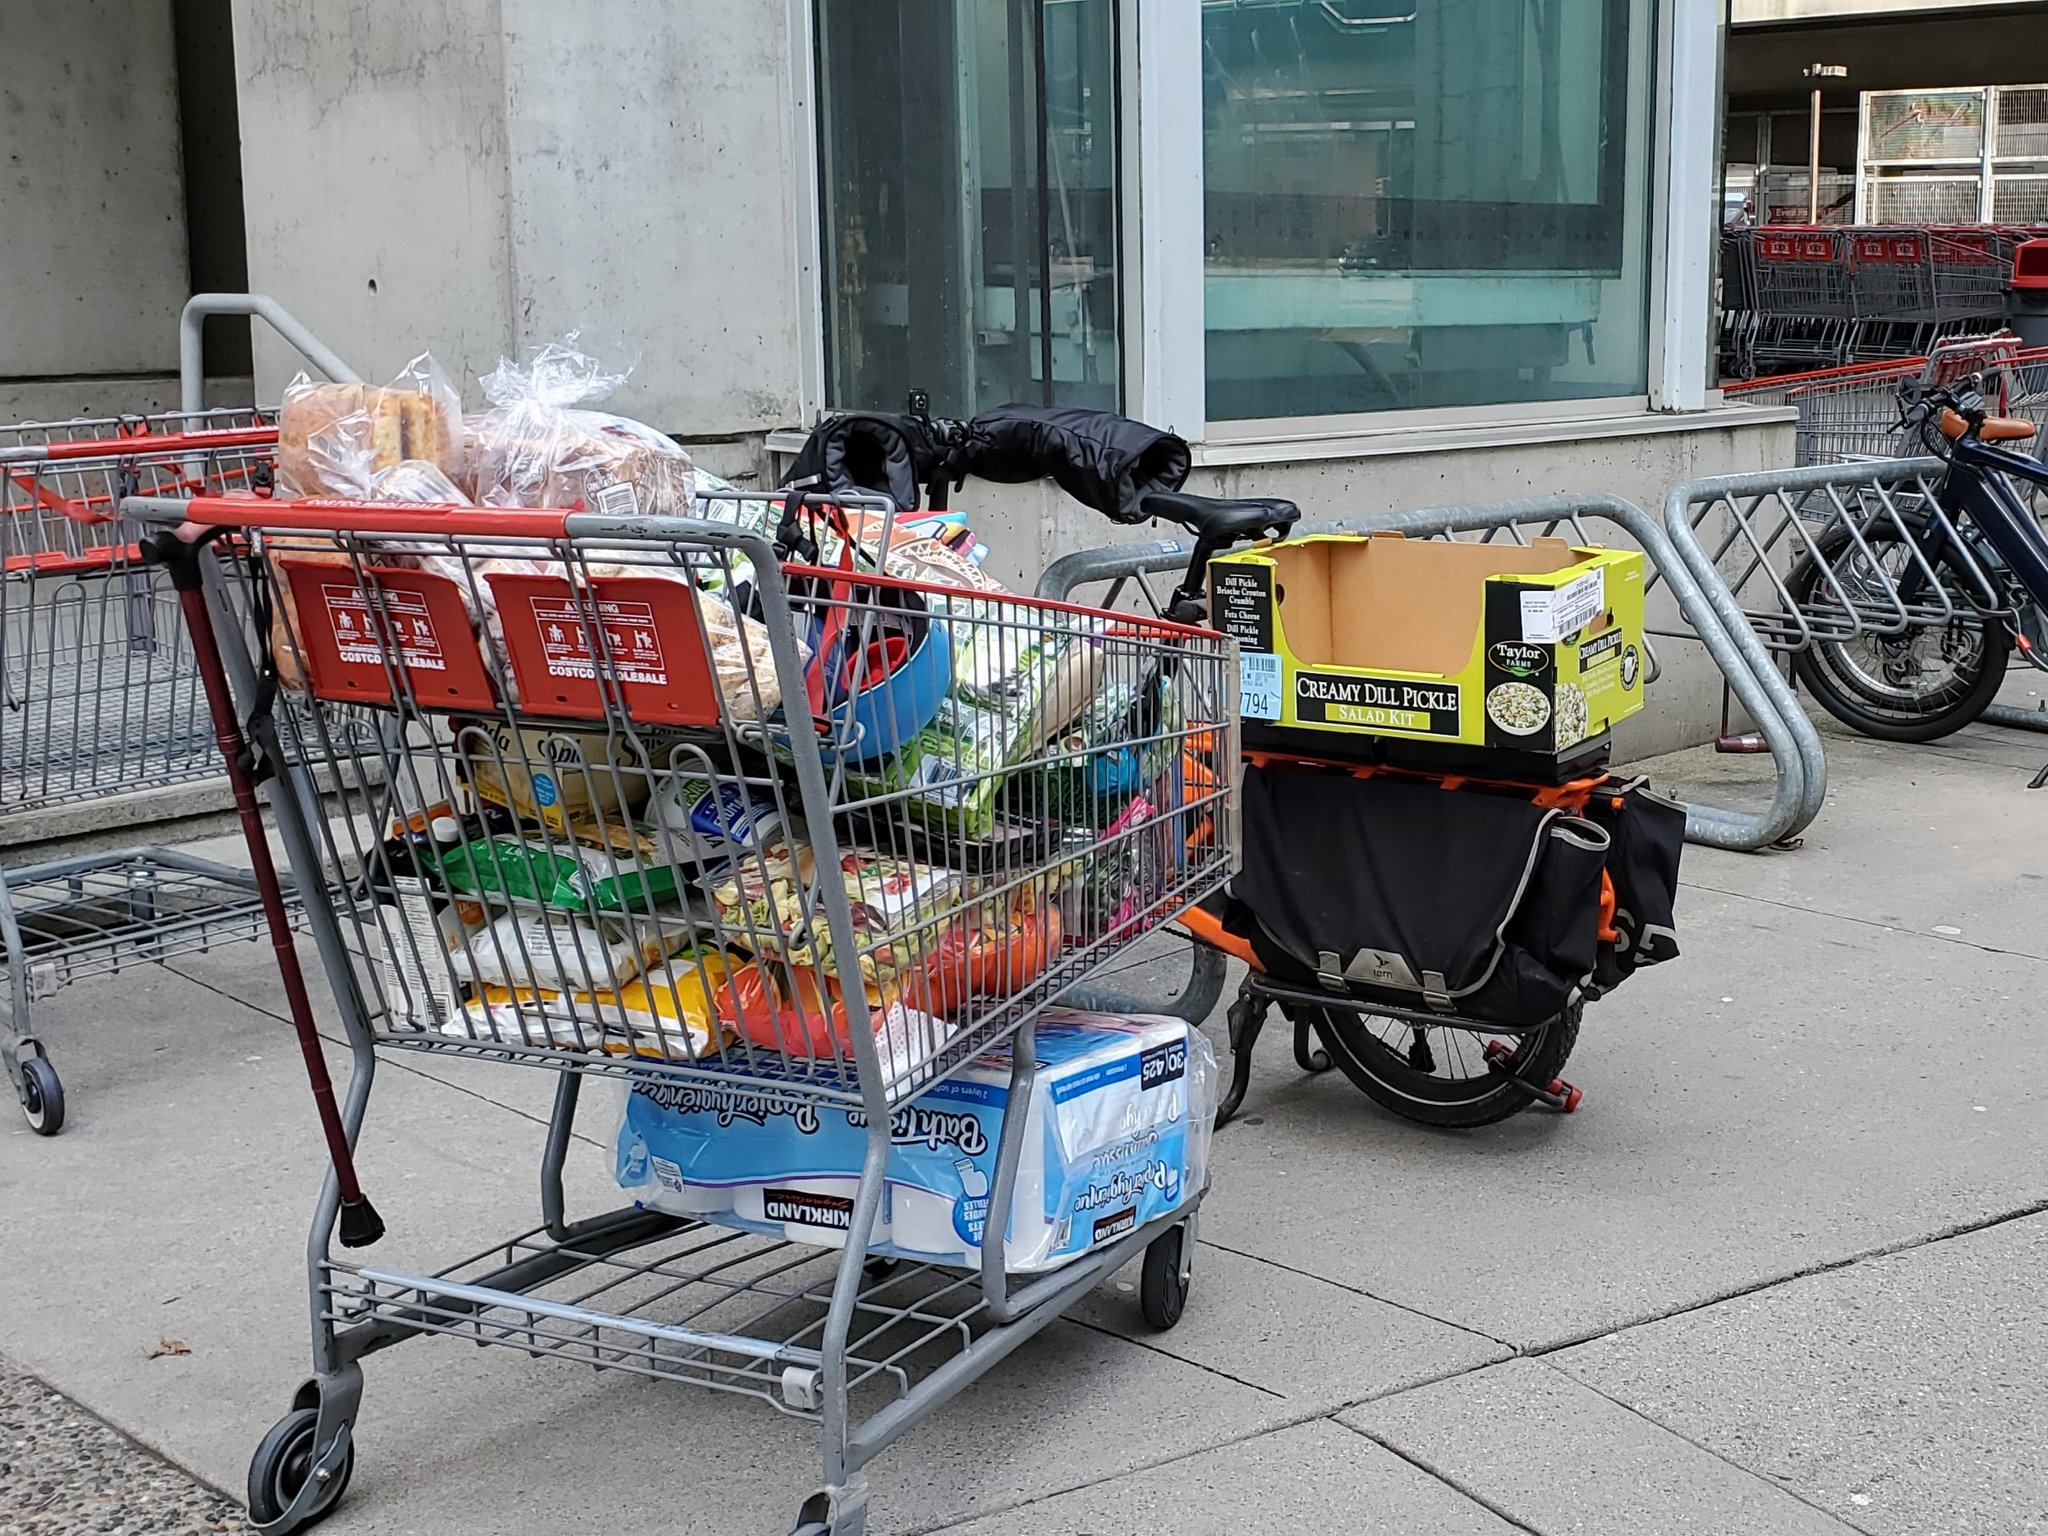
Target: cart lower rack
x: 801, y: 847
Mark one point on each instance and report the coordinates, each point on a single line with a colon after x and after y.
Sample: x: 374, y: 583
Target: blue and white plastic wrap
x: 1118, y: 1136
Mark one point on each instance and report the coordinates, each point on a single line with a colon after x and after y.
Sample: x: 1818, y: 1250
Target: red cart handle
x: 427, y: 519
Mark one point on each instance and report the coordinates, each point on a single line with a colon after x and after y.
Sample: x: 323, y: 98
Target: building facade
x: 1365, y: 253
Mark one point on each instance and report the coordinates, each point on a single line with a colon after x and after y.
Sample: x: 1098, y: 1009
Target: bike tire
x: 1449, y: 1104
x: 1831, y: 678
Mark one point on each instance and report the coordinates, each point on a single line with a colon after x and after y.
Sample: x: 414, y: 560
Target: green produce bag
x: 570, y: 877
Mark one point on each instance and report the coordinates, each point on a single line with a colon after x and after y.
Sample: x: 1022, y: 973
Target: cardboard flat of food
x: 1532, y: 648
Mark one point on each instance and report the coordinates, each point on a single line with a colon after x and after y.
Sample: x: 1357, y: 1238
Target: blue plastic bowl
x: 876, y: 722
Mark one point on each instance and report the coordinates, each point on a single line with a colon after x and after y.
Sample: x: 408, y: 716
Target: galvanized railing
x: 1711, y: 614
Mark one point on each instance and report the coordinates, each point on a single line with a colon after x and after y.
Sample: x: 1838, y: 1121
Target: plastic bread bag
x: 559, y: 952
x: 518, y: 1017
x: 539, y: 445
x: 334, y: 440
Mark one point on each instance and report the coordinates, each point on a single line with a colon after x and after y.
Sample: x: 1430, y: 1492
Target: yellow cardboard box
x: 1531, y: 649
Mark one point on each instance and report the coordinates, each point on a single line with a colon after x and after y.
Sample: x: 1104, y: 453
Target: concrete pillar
x: 473, y: 176
x: 92, y: 207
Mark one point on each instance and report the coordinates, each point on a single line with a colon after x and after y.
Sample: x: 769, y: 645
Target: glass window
x: 1424, y: 202
x: 969, y: 161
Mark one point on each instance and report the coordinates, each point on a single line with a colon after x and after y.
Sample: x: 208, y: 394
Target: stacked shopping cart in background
x: 100, y: 703
x: 1852, y: 413
x: 1806, y: 297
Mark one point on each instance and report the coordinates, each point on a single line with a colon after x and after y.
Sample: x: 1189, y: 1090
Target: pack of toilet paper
x: 1116, y: 1135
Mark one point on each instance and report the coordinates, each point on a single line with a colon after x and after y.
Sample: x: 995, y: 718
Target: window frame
x: 1161, y: 240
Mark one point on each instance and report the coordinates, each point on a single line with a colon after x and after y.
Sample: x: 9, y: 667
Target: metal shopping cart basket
x: 785, y: 843
x: 99, y: 699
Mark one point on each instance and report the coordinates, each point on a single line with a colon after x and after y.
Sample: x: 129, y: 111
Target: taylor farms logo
x: 915, y: 1126
x: 1379, y: 703
x: 1631, y: 667
x: 1519, y: 660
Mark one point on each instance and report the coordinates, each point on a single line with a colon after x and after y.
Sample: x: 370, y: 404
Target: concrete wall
x: 474, y: 176
x: 374, y: 170
x: 92, y: 209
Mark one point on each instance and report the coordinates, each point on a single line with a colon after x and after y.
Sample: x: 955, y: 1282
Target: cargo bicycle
x: 1405, y: 1046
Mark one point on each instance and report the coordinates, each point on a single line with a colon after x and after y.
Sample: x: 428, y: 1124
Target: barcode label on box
x: 1258, y: 685
x: 1554, y: 614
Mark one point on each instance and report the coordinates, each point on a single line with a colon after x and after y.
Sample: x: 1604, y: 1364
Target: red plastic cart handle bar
x: 152, y: 443
x: 428, y: 519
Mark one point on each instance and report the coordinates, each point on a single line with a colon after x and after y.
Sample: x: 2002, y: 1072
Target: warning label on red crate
x: 631, y: 645
x: 360, y: 636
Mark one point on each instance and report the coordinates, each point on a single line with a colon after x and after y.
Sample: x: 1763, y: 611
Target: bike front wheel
x: 1928, y: 680
x: 1438, y: 1075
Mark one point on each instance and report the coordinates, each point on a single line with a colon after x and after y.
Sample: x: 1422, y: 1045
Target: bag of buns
x: 539, y: 446
x: 334, y: 440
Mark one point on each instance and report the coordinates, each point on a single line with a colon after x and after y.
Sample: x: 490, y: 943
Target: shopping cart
x: 788, y: 841
x: 100, y: 701
x: 1852, y: 412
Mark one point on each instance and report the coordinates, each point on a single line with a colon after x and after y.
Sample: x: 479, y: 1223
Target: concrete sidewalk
x: 1781, y: 1273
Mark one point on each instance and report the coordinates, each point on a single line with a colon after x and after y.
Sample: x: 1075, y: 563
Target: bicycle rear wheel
x: 1437, y: 1075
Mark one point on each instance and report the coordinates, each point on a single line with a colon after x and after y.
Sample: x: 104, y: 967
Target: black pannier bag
x: 1647, y: 833
x: 1402, y: 893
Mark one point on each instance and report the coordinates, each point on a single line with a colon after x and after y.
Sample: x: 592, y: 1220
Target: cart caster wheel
x: 1163, y: 1289
x: 42, y: 1097
x: 281, y: 1465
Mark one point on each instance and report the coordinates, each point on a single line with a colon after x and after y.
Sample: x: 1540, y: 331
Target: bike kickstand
x: 1560, y: 1095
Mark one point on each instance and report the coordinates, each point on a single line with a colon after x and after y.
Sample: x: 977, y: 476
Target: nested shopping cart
x: 717, y: 809
x: 99, y: 701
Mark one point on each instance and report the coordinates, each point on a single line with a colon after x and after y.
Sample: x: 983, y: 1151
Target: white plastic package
x: 1117, y: 1137
x: 537, y: 446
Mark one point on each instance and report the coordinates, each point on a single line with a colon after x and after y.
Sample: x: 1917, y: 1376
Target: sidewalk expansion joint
x: 1822, y: 1267
x: 1356, y: 1290
x: 1450, y: 1482
x: 390, y: 1060
x: 1729, y: 1461
x: 1861, y: 922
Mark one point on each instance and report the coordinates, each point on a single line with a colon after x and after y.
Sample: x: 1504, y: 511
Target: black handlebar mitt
x: 1104, y: 461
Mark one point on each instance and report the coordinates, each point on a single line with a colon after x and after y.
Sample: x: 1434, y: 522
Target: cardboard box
x: 1533, y: 649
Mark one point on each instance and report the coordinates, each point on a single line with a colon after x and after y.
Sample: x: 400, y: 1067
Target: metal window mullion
x: 1167, y: 243
x: 1686, y: 87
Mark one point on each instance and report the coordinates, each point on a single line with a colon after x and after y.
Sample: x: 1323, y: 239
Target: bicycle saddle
x: 1209, y: 517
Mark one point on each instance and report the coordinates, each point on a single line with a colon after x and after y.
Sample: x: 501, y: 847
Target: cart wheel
x: 1163, y: 1290
x: 281, y: 1465
x: 42, y: 1097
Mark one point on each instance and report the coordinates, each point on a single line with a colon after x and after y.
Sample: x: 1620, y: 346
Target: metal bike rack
x: 1748, y: 532
x: 1710, y: 610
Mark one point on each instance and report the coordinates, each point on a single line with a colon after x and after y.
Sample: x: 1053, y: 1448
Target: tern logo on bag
x: 801, y: 1206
